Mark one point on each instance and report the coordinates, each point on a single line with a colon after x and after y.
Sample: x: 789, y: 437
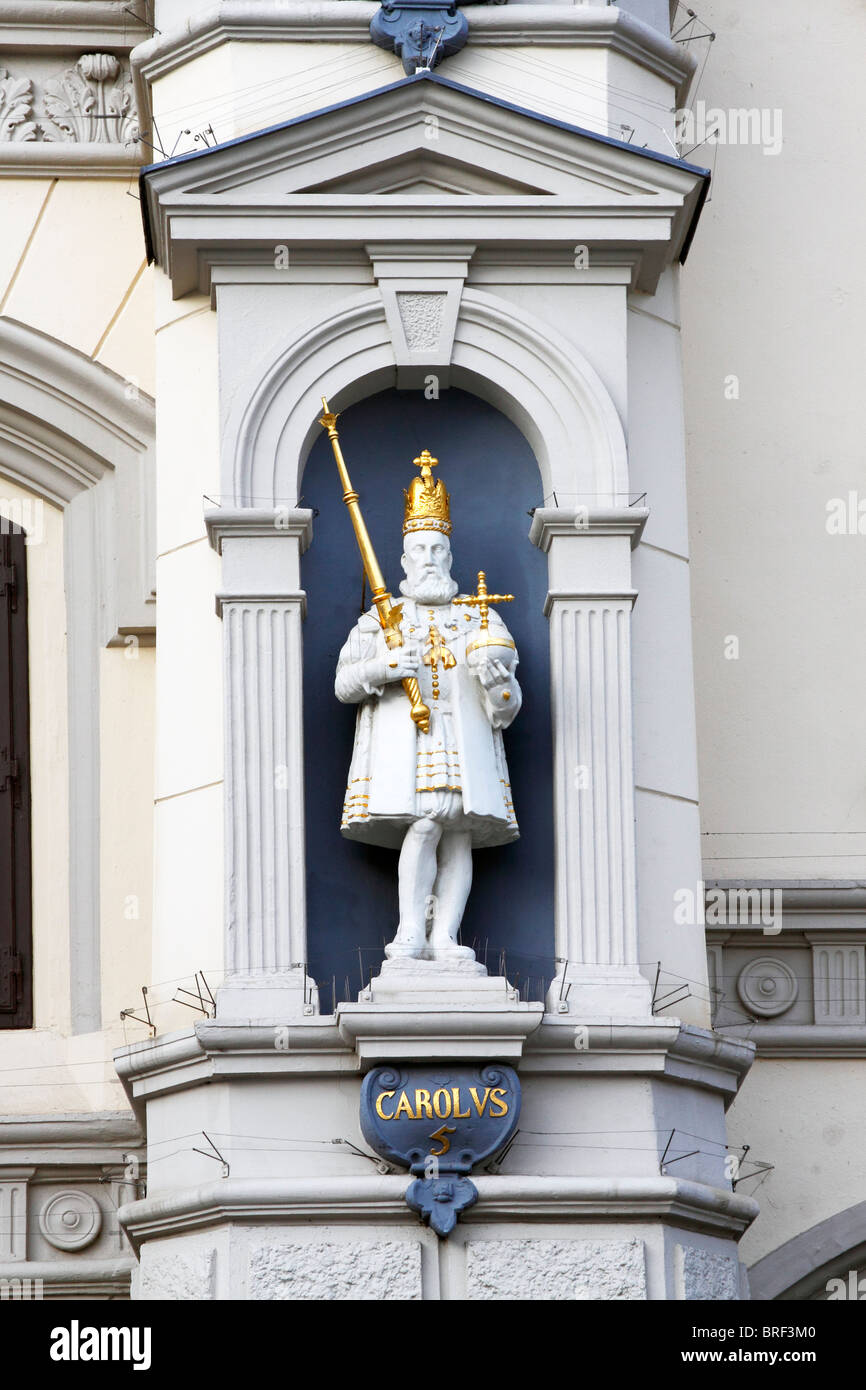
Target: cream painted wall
x: 72, y: 264
x: 806, y: 1118
x: 81, y: 258
x: 239, y: 88
x: 773, y: 294
x: 188, y: 827
x: 127, y: 676
x: 127, y: 345
x: 23, y: 203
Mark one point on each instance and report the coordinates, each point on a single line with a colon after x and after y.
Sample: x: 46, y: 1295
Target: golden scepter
x: 389, y: 613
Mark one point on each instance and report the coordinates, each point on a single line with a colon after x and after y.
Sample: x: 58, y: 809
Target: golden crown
x: 428, y: 506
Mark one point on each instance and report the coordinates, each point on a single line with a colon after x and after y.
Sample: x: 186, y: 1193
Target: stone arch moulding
x: 73, y: 434
x: 69, y: 429
x: 518, y: 364
x: 800, y: 1269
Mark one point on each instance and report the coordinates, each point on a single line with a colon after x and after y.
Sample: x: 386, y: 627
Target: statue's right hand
x: 397, y: 663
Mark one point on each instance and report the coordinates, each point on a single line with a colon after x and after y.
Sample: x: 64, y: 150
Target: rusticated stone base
x: 553, y: 1270
x: 363, y: 1270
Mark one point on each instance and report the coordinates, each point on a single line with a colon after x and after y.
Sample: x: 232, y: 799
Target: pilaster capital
x: 551, y: 523
x: 588, y: 548
x: 258, y: 523
x: 261, y: 549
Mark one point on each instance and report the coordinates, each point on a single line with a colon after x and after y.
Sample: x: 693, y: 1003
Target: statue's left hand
x: 493, y: 673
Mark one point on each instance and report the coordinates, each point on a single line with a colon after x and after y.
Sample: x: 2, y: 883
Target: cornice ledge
x: 77, y: 1130
x: 803, y: 1039
x: 800, y: 894
x: 713, y: 1049
x: 264, y: 1199
x: 710, y: 1059
x: 665, y: 1047
x: 176, y: 1055
x: 318, y: 1033
x: 549, y: 522
x: 62, y: 1273
x: 104, y: 25
x: 556, y: 1034
x: 178, y: 1061
x: 584, y: 25
x: 298, y: 1200
x: 692, y: 1203
x: 78, y: 159
x: 348, y: 21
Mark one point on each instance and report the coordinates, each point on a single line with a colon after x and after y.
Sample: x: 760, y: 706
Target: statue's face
x: 427, y: 565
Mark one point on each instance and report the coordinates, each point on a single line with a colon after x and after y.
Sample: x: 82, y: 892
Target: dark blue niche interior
x: 491, y: 474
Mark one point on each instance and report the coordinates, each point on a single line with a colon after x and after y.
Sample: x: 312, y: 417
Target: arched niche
x: 503, y: 355
x: 565, y: 423
x: 494, y: 480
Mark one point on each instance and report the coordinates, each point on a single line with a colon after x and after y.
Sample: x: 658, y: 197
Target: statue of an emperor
x: 439, y: 793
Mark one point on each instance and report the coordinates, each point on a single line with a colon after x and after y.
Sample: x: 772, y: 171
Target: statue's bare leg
x: 417, y: 876
x: 451, y: 890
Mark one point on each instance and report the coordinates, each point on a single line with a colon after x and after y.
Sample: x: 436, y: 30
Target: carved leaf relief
x: 90, y: 103
x: 81, y: 106
x: 16, y: 105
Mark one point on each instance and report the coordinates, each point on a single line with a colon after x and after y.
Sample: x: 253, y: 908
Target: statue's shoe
x: 398, y: 950
x: 443, y: 948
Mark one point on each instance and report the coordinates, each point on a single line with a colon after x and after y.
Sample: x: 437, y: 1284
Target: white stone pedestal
x: 425, y: 1010
x: 269, y: 996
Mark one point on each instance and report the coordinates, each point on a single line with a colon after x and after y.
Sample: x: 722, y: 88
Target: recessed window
x: 16, y: 993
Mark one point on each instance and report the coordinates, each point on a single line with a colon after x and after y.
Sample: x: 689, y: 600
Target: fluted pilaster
x: 262, y: 607
x: 264, y: 786
x: 594, y: 777
x: 589, y: 611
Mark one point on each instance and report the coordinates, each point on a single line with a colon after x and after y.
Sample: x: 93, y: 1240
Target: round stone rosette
x: 70, y: 1220
x: 767, y: 986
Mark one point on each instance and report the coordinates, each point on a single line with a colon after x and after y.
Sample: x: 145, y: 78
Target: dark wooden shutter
x: 16, y: 993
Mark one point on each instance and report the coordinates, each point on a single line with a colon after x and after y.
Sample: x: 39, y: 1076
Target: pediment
x: 420, y: 134
x: 483, y: 170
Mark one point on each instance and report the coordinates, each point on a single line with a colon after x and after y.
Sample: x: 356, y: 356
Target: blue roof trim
x: 433, y: 77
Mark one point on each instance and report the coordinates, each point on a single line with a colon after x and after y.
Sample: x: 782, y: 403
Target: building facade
x: 552, y: 245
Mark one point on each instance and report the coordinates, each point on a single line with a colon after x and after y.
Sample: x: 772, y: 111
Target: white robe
x: 386, y: 789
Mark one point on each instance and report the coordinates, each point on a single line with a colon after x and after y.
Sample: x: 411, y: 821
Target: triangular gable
x: 433, y: 120
x: 428, y: 141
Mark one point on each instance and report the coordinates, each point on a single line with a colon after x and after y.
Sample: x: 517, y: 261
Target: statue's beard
x: 431, y: 588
